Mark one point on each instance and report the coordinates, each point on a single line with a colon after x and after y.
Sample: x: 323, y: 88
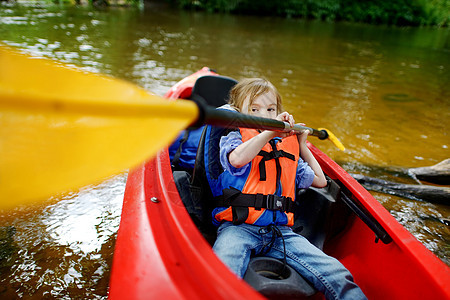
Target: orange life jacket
x: 268, y: 184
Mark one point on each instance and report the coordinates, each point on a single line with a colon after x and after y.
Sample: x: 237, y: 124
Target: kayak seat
x: 213, y: 90
x: 206, y: 172
x: 192, y: 183
x: 207, y: 90
x: 269, y: 277
x: 313, y: 212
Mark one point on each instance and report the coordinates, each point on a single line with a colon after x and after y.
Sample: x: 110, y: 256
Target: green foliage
x: 96, y: 3
x: 391, y: 12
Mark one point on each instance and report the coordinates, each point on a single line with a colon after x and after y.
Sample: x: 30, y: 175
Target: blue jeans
x: 235, y: 244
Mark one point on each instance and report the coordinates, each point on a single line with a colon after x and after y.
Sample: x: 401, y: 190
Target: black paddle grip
x: 323, y: 134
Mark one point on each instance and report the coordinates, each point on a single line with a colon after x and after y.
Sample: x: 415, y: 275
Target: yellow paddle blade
x: 62, y: 128
x: 334, y: 139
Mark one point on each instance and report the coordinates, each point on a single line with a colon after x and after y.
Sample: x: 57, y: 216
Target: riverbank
x: 413, y: 13
x: 387, y: 12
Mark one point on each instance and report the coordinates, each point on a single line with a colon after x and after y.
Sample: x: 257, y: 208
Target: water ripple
x: 66, y: 245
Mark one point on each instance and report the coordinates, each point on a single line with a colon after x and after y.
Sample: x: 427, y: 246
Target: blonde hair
x: 253, y: 88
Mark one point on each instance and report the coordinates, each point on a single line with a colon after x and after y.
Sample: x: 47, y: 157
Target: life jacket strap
x: 268, y: 156
x: 234, y: 198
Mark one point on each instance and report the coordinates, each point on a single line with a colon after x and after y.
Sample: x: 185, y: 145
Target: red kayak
x: 160, y: 252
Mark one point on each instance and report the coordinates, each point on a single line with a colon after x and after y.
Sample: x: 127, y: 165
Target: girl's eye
x: 254, y: 109
x: 271, y: 109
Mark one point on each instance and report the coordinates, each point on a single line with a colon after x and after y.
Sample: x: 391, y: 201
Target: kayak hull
x: 401, y: 269
x: 160, y: 253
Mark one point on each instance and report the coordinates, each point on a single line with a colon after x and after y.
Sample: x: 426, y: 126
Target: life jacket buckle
x: 275, y: 202
x: 269, y: 199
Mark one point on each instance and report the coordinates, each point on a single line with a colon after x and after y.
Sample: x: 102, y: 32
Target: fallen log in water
x: 435, y: 194
x: 439, y: 173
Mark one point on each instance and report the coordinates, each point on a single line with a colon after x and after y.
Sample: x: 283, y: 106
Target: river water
x: 384, y: 91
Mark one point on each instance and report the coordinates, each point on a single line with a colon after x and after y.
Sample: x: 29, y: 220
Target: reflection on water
x: 383, y: 91
x: 62, y: 249
x: 84, y: 221
x: 424, y: 220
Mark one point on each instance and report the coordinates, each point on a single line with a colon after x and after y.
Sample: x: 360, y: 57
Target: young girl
x: 255, y: 212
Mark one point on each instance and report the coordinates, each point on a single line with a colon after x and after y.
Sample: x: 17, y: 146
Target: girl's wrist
x: 303, y: 144
x: 268, y: 134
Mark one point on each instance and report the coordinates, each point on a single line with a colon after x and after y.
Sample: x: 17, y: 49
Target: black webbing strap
x: 234, y: 198
x: 275, y: 154
x: 176, y: 157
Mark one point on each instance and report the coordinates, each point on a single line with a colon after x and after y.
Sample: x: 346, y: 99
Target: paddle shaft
x: 226, y: 118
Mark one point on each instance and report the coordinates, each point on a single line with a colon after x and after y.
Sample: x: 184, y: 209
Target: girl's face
x: 265, y: 105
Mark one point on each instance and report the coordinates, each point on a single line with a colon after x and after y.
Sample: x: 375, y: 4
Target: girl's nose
x: 265, y: 114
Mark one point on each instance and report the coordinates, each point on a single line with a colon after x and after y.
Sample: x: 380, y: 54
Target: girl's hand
x: 302, y: 136
x: 285, y: 117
